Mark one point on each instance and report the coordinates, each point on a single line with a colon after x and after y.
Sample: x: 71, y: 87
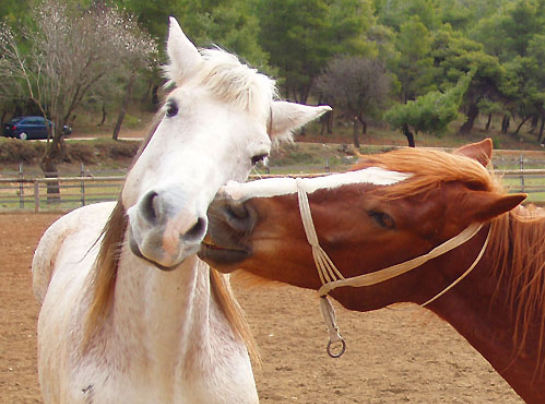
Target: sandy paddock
x: 392, y: 356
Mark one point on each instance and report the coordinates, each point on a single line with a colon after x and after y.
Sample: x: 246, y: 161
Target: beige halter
x: 332, y: 278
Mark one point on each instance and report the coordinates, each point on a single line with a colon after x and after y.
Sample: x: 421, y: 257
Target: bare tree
x: 357, y: 86
x: 57, y: 62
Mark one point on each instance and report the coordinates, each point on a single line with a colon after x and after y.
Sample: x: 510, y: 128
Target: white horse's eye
x: 258, y: 158
x: 172, y: 109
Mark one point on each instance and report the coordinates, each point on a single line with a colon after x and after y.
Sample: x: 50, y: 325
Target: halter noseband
x: 332, y: 278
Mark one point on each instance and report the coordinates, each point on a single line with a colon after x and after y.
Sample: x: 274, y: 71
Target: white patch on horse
x: 283, y: 186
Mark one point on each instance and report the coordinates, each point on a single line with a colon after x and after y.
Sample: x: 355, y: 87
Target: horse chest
x: 138, y: 386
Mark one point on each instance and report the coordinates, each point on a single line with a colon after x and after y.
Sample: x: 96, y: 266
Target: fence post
x: 522, y: 172
x: 36, y: 196
x: 327, y: 168
x: 21, y: 187
x: 82, y: 185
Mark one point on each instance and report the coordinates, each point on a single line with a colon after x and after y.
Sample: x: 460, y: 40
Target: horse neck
x: 482, y: 310
x: 163, y: 317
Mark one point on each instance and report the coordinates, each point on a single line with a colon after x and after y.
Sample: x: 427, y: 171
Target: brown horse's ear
x: 483, y: 206
x: 481, y: 151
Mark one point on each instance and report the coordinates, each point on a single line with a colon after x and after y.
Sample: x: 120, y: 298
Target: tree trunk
x: 3, y: 119
x: 472, y: 114
x: 540, y: 134
x: 409, y: 135
x: 123, y: 108
x: 50, y: 169
x: 326, y: 121
x: 520, y: 125
x: 104, y: 113
x: 535, y: 122
x: 506, y: 121
x: 356, y: 133
x: 488, y: 122
x: 55, y: 151
x: 363, y: 125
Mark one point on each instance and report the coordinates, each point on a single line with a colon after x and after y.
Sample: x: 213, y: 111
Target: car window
x: 15, y: 120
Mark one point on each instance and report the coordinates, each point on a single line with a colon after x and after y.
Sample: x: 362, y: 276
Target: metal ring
x: 340, y: 353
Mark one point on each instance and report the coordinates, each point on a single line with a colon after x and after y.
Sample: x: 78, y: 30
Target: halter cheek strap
x: 332, y: 278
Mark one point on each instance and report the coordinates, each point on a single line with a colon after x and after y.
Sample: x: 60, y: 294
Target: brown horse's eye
x: 384, y: 220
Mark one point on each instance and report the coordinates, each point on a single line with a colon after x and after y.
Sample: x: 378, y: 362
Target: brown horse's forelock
x: 430, y: 169
x: 104, y: 274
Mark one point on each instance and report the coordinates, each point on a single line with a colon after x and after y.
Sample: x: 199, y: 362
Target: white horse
x: 136, y: 317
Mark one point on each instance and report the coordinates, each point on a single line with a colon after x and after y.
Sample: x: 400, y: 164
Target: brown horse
x: 404, y: 226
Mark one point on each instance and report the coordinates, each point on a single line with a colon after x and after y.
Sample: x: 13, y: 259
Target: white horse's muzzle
x: 165, y: 228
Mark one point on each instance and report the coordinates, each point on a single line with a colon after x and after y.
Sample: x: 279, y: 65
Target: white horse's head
x: 218, y: 122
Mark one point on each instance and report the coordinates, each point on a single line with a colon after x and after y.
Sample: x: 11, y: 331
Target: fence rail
x: 66, y: 193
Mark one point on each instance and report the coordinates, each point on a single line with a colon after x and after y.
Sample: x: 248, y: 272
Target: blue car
x: 29, y: 127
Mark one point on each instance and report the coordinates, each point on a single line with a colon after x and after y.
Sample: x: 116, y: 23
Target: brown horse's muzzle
x: 230, y: 223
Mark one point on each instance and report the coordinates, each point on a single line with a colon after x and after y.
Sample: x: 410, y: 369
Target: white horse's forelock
x: 231, y: 81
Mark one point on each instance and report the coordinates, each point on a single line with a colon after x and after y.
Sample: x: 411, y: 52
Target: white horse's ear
x: 184, y: 57
x: 287, y: 117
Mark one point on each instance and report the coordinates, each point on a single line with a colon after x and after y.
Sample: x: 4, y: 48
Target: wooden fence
x: 66, y: 193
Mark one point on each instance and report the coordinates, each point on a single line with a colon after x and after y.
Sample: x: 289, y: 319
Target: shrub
x: 16, y: 151
x: 80, y: 151
x: 118, y: 149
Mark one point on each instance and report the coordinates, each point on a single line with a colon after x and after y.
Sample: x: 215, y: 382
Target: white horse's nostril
x: 147, y: 207
x: 197, y: 232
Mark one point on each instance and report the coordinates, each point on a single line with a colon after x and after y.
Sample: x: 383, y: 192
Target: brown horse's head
x: 389, y: 209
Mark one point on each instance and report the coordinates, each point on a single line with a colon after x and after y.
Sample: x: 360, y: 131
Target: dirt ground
x: 392, y: 356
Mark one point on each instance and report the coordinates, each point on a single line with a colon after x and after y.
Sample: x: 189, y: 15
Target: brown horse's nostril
x: 238, y: 216
x: 236, y: 210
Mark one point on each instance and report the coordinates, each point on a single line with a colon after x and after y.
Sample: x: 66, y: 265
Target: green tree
x: 430, y: 113
x: 301, y: 37
x: 454, y: 54
x: 518, y: 26
x: 463, y: 15
x: 292, y: 33
x: 526, y: 79
x: 356, y: 86
x: 414, y: 68
x: 394, y: 13
x: 231, y: 24
x: 12, y: 11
